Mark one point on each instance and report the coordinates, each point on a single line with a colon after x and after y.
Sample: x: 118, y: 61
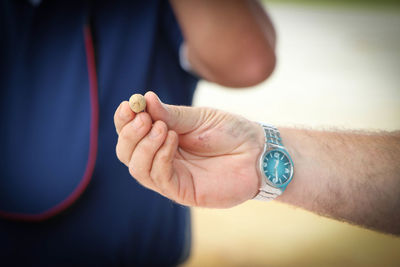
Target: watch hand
x: 276, y: 163
x: 276, y: 171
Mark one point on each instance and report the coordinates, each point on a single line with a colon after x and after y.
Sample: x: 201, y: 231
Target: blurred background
x: 338, y: 67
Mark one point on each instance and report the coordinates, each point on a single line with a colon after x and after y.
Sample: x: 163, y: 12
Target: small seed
x: 137, y: 102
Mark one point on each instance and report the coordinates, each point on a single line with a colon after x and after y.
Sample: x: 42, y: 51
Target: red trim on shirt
x: 90, y: 59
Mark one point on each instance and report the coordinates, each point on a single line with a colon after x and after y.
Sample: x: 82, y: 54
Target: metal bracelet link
x: 272, y: 139
x: 272, y: 135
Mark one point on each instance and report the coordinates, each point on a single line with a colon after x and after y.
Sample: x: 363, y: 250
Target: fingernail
x: 155, y: 131
x: 137, y: 122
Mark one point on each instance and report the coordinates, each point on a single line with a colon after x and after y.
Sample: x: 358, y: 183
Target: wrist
x: 299, y: 144
x: 275, y: 165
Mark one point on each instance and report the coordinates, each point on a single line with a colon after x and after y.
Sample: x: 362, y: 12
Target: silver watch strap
x: 272, y: 135
x: 272, y: 140
x: 267, y: 193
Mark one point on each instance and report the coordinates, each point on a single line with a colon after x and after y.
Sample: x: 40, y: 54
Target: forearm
x: 228, y: 42
x: 353, y: 177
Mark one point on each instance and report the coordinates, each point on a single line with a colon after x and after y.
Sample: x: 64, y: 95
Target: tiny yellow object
x: 137, y: 102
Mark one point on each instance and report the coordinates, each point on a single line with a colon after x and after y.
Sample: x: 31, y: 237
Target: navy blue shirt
x: 64, y: 68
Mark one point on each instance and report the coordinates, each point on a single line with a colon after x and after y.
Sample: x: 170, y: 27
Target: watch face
x: 277, y: 167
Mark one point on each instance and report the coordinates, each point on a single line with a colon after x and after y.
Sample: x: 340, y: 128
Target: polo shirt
x: 65, y: 66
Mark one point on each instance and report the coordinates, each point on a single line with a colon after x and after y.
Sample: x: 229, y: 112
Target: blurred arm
x: 354, y: 177
x: 230, y: 42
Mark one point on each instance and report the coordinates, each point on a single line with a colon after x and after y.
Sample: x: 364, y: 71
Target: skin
x: 229, y: 42
x: 241, y: 53
x: 186, y: 150
x: 206, y: 157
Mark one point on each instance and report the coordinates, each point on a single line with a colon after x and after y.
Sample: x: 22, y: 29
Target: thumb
x: 181, y: 119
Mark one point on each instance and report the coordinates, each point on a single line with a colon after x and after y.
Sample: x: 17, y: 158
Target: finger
x: 162, y: 171
x: 143, y: 155
x: 181, y: 119
x: 130, y: 135
x: 122, y: 116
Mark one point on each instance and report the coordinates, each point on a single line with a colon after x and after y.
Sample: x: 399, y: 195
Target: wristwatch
x: 275, y: 165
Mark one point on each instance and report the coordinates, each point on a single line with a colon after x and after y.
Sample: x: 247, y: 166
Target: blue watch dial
x: 277, y: 167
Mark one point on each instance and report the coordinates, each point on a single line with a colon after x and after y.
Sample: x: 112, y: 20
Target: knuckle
x: 164, y: 191
x: 125, y: 134
x: 136, y: 168
x: 133, y: 172
x: 164, y: 157
x: 155, y: 178
x: 116, y: 112
x: 162, y: 125
x: 160, y: 128
x: 118, y: 153
x: 159, y: 181
x: 115, y: 119
x: 156, y: 175
x: 178, y: 112
x: 173, y: 134
x: 117, y: 128
x: 143, y: 149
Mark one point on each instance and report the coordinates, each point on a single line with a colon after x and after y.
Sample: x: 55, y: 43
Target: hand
x: 194, y: 156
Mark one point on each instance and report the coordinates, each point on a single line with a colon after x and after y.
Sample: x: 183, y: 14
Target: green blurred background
x: 338, y: 66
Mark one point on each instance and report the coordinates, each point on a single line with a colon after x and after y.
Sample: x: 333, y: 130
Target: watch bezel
x: 261, y: 168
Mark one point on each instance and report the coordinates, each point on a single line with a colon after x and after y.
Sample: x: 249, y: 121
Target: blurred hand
x: 194, y: 156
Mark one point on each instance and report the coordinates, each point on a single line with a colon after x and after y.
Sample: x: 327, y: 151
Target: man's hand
x: 205, y: 157
x: 194, y: 156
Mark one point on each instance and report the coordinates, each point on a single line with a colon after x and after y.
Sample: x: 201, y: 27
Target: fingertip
x: 150, y: 94
x: 172, y: 137
x: 154, y: 106
x: 168, y: 149
x: 145, y: 118
x: 125, y: 112
x: 163, y: 125
x: 159, y: 129
x: 151, y: 97
x: 173, y: 134
x: 122, y: 116
x: 117, y: 111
